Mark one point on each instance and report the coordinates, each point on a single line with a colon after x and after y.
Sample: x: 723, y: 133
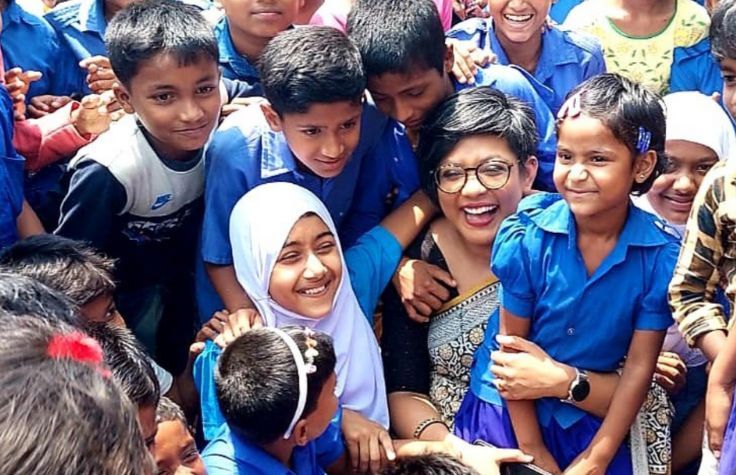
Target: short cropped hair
x: 473, y: 112
x: 22, y: 295
x: 397, y: 36
x: 147, y: 28
x: 310, y: 65
x: 169, y: 411
x: 429, y: 464
x: 128, y: 362
x: 58, y: 415
x: 723, y: 30
x: 258, y: 386
x: 624, y: 106
x: 65, y: 265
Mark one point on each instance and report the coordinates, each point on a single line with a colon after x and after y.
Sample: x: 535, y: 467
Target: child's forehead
x: 727, y: 64
x: 165, y: 64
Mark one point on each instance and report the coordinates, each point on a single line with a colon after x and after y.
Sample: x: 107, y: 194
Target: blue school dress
x: 229, y: 454
x: 233, y: 64
x: 586, y: 322
x: 567, y: 57
x: 11, y: 173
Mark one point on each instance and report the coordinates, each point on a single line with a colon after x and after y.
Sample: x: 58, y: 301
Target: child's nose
x: 314, y: 268
x: 578, y: 172
x: 333, y: 145
x: 191, y: 111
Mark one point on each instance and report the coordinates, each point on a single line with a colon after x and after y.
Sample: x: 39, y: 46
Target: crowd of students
x: 367, y: 236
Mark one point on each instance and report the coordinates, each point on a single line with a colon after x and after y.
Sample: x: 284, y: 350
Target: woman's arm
x: 523, y: 412
x: 412, y: 216
x: 625, y: 405
x: 409, y: 410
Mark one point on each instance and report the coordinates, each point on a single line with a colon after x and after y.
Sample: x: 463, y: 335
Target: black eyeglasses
x: 491, y: 174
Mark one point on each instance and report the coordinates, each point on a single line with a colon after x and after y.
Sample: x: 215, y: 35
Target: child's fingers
x: 388, y: 445
x: 441, y: 275
x: 365, y: 454
x: 511, y: 455
x: 354, y: 452
x: 414, y: 315
x: 31, y: 76
x: 374, y: 451
x: 421, y: 308
x: 98, y: 61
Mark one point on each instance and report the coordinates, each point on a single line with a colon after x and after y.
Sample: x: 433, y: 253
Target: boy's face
x: 518, y: 21
x: 175, y: 451
x: 320, y: 418
x: 410, y: 97
x: 261, y: 18
x: 147, y: 422
x: 728, y: 71
x: 178, y: 105
x: 324, y: 137
x: 102, y: 309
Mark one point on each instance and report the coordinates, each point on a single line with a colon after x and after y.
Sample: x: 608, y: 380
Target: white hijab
x: 259, y: 225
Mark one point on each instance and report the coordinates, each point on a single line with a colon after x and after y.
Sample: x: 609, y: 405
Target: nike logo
x: 161, y: 201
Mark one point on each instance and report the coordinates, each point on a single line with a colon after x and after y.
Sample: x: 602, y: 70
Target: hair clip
x: 311, y: 352
x: 77, y: 346
x: 643, y: 140
x: 571, y: 108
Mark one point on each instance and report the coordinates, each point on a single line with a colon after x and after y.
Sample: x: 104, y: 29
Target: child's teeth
x: 518, y: 17
x: 315, y: 290
x: 480, y: 210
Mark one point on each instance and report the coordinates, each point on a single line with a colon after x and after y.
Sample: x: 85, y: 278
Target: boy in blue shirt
x: 407, y: 62
x: 315, y: 132
x: 244, y: 31
x: 519, y: 34
x: 723, y: 48
x: 136, y: 192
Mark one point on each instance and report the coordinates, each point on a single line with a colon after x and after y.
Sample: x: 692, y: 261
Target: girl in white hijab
x: 699, y: 134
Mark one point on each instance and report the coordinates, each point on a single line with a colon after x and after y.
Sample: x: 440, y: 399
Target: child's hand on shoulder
x: 420, y: 286
x: 466, y: 58
x: 586, y: 464
x: 100, y: 76
x: 369, y: 445
x: 46, y: 104
x: 91, y: 117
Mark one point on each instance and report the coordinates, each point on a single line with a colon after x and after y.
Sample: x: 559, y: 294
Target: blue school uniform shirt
x: 695, y: 69
x: 11, y: 174
x: 586, y: 322
x: 245, y: 153
x: 232, y: 64
x: 230, y: 454
x: 370, y: 263
x: 516, y: 82
x: 29, y: 42
x: 567, y: 57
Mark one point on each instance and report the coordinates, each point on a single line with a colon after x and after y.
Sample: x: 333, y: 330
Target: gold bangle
x: 426, y: 423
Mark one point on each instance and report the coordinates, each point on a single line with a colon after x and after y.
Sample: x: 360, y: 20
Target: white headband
x: 301, y: 371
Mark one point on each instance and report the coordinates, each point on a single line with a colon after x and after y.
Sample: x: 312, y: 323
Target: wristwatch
x: 580, y: 387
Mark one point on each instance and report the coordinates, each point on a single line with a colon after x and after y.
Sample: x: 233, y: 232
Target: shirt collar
x: 92, y: 16
x: 277, y: 157
x: 641, y: 228
x: 11, y: 14
x: 250, y: 455
x: 228, y: 54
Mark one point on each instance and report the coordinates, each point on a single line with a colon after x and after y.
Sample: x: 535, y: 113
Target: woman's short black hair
x: 472, y: 112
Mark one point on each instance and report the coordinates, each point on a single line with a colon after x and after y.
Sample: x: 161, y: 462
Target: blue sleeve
x: 474, y: 30
x: 518, y: 83
x: 388, y: 168
x: 330, y: 445
x: 695, y: 69
x: 225, y: 183
x: 204, y: 380
x: 218, y: 456
x: 371, y: 262
x: 655, y: 311
x: 68, y: 77
x: 236, y: 88
x: 595, y: 64
x: 91, y: 206
x: 511, y: 264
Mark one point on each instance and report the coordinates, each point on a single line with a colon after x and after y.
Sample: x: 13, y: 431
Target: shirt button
x: 570, y: 331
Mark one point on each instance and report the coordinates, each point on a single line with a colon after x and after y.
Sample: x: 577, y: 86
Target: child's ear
x: 272, y: 117
x: 644, y: 166
x: 529, y: 174
x: 449, y: 57
x: 123, y: 97
x: 300, y: 433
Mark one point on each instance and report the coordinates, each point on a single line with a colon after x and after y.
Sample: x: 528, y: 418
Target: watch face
x: 581, y: 390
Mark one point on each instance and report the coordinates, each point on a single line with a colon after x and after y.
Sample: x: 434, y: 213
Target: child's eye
x: 289, y: 257
x: 191, y: 455
x: 111, y: 313
x: 598, y: 159
x: 326, y: 247
x: 703, y: 168
x: 563, y: 157
x: 163, y: 98
x: 205, y: 90
x: 310, y: 132
x: 415, y: 92
x: 729, y: 78
x: 349, y: 125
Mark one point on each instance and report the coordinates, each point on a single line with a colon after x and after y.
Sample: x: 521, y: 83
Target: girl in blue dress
x: 584, y: 275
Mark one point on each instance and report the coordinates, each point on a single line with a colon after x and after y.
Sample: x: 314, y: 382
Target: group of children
x: 351, y: 236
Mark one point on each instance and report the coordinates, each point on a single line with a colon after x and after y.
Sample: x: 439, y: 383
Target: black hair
x: 129, y: 363
x: 472, y: 112
x: 397, y: 36
x: 167, y: 410
x: 428, y: 464
x: 22, y: 295
x: 60, y: 416
x: 624, y: 106
x: 723, y: 30
x: 258, y: 385
x: 67, y: 266
x: 310, y: 65
x: 148, y: 28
